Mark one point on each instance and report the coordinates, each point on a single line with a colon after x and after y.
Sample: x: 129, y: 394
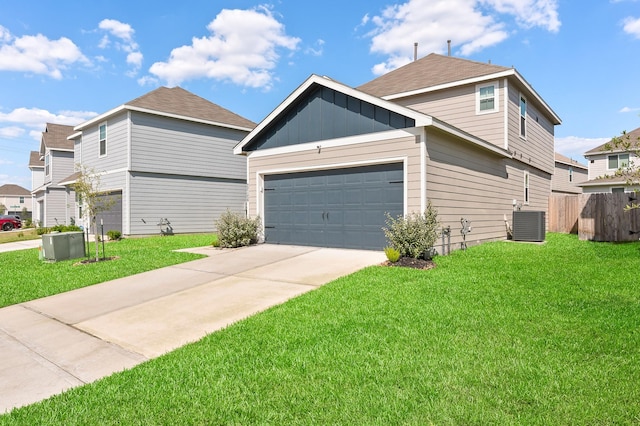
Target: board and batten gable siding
x: 537, y: 149
x: 61, y: 166
x: 457, y: 107
x: 117, y: 145
x: 179, y: 147
x: 390, y: 150
x: 191, y: 204
x: 464, y: 181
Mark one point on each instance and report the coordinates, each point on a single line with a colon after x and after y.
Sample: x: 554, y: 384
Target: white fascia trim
x: 607, y: 183
x: 122, y: 108
x: 332, y: 143
x: 472, y: 139
x: 420, y: 118
x: 260, y: 174
x: 506, y: 114
x: 74, y: 136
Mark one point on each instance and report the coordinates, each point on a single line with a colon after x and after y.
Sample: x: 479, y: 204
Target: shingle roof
x: 566, y: 160
x: 431, y: 70
x: 181, y: 102
x: 633, y: 138
x: 34, y: 159
x: 55, y: 136
x: 14, y: 190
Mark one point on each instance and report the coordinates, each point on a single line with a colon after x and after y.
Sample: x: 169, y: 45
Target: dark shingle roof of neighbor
x: 181, y: 102
x: 431, y: 70
x: 15, y: 190
x: 34, y: 159
x: 633, y: 138
x: 55, y: 136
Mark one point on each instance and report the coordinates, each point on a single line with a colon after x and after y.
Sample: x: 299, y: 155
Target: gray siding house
x: 568, y: 175
x: 603, y: 164
x: 53, y: 201
x: 167, y: 154
x: 474, y: 139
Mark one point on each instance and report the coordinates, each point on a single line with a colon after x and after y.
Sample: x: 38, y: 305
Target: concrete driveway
x: 59, y: 342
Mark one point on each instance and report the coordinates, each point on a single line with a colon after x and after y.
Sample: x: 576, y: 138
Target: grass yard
x: 504, y: 334
x: 24, y: 277
x: 19, y: 235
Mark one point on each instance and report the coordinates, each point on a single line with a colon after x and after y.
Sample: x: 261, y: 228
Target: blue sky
x: 66, y: 62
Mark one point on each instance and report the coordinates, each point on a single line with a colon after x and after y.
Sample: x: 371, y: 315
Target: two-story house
x: 54, y: 202
x: 15, y: 199
x: 568, y: 175
x: 474, y: 139
x: 604, y: 163
x: 165, y: 155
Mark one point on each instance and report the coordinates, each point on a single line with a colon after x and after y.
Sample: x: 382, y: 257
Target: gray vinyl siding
x: 560, y: 180
x: 59, y: 207
x: 341, y: 156
x: 172, y: 146
x: 117, y: 145
x: 463, y: 181
x: 192, y: 204
x: 61, y: 165
x: 457, y: 106
x: 537, y: 149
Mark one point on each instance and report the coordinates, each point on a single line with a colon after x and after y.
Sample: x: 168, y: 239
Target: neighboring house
x: 167, y: 154
x: 53, y: 202
x: 15, y: 198
x: 568, y: 175
x: 603, y: 164
x: 475, y: 139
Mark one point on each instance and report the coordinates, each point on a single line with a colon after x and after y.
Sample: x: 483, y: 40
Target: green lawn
x: 24, y: 277
x: 20, y: 235
x: 501, y: 334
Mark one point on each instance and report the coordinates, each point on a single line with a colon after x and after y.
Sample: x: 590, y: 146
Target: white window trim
x: 617, y: 155
x: 570, y: 174
x: 526, y: 118
x: 47, y: 164
x: 106, y: 138
x: 496, y: 98
x: 526, y: 188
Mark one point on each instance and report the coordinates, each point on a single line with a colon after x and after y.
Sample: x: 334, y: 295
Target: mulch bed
x: 93, y: 260
x: 409, y: 262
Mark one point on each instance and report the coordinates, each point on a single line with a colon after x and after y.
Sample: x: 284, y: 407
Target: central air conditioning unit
x: 63, y: 246
x: 528, y: 226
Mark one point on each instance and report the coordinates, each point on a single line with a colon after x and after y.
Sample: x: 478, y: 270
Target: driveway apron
x: 52, y: 344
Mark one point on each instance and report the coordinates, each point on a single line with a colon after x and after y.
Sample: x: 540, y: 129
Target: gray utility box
x: 528, y: 226
x: 63, y: 246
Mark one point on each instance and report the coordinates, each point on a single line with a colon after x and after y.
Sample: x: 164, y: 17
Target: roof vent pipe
x: 415, y: 51
x: 449, y: 47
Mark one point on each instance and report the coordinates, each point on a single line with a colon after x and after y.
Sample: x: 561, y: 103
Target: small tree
x: 2, y: 208
x: 91, y: 198
x: 631, y: 170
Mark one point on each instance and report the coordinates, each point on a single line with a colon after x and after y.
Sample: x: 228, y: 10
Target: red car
x: 7, y: 223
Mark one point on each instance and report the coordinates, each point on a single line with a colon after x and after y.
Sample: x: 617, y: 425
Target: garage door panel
x: 333, y: 208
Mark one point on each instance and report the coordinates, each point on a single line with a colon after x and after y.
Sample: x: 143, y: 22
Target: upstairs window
x: 103, y: 139
x: 617, y: 161
x: 21, y: 200
x: 486, y: 98
x: 526, y: 187
x: 570, y: 174
x: 523, y: 117
x: 47, y: 164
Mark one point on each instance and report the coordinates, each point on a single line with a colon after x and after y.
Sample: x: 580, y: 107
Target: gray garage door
x: 336, y: 208
x: 112, y: 218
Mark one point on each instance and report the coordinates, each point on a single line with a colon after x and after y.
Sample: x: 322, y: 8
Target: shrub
x: 413, y: 235
x: 392, y: 254
x: 64, y: 228
x: 40, y: 230
x: 114, y: 235
x: 235, y: 230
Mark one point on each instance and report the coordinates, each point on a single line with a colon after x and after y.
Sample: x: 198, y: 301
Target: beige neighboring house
x: 568, y: 175
x: 603, y: 164
x: 330, y: 161
x: 53, y: 202
x: 15, y: 198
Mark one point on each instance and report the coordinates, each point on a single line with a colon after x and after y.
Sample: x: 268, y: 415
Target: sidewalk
x: 20, y: 245
x: 59, y: 342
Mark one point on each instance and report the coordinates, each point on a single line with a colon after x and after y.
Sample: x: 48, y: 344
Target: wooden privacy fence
x: 595, y: 217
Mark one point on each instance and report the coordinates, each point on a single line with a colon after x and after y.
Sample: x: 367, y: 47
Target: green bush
x: 114, y: 235
x: 413, y: 235
x: 41, y: 230
x: 392, y: 254
x: 64, y: 228
x: 235, y: 230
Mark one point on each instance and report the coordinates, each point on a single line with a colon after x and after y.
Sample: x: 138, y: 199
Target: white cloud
x: 38, y: 54
x: 575, y: 146
x: 318, y: 50
x: 242, y: 48
x: 34, y: 120
x: 628, y: 109
x: 124, y: 33
x: 472, y: 25
x: 632, y: 26
x: 11, y: 132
